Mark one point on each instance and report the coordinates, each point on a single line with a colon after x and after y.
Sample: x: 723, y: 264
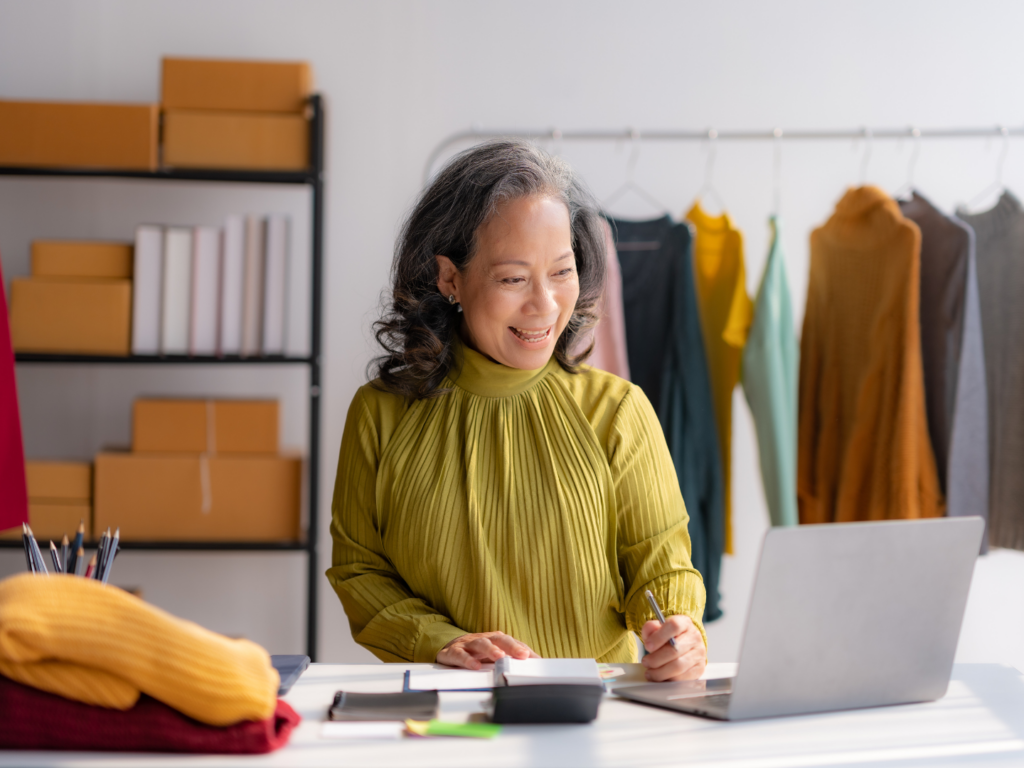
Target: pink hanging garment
x: 610, y: 334
x: 13, y: 491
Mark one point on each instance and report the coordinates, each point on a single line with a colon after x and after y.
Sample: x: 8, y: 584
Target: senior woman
x: 496, y: 497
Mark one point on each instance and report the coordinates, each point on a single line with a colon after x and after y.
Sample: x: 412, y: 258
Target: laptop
x: 843, y: 616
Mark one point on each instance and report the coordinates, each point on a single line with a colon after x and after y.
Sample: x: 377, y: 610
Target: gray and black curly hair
x: 418, y: 326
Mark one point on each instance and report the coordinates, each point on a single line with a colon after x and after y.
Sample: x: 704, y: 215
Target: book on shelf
x: 252, y: 296
x: 275, y: 284
x: 146, y: 291
x: 206, y: 255
x: 176, y: 293
x: 232, y: 277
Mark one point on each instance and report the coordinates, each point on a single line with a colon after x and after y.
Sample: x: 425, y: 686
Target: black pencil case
x: 545, y: 703
x: 420, y: 705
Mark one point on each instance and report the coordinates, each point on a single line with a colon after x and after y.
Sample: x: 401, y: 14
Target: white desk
x: 979, y: 722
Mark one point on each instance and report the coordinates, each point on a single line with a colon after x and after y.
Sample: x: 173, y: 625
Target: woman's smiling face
x: 520, y: 288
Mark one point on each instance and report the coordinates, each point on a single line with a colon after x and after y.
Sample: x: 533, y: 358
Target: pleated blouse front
x: 538, y: 503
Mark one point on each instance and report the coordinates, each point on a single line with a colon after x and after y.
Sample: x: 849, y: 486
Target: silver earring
x: 451, y: 298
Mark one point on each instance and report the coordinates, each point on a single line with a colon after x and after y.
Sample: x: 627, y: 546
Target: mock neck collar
x: 704, y: 220
x: 479, y: 375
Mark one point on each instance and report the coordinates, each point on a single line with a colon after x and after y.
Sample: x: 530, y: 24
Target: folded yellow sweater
x: 100, y: 645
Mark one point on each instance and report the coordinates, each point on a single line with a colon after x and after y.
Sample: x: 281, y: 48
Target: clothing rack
x: 711, y: 134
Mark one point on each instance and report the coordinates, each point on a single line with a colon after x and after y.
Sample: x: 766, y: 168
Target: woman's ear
x: 446, y: 277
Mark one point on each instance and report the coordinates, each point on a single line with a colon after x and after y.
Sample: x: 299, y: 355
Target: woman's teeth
x: 531, y: 337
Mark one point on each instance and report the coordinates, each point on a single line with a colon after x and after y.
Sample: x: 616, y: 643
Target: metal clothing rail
x: 711, y: 134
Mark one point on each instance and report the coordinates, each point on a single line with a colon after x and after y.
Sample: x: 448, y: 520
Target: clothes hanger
x: 997, y: 185
x: 707, y: 190
x: 776, y: 173
x: 866, y: 157
x: 631, y: 186
x: 906, y: 192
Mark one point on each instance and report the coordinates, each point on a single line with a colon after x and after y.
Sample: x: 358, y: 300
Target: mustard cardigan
x: 539, y: 503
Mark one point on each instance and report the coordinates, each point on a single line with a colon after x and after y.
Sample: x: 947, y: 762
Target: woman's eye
x: 565, y: 272
x: 512, y: 280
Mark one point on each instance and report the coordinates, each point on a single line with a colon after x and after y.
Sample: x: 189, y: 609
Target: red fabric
x: 33, y: 719
x: 13, y: 491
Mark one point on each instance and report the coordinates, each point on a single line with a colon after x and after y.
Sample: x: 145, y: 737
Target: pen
x: 76, y: 547
x: 64, y: 554
x: 55, y: 557
x: 657, y: 612
x: 80, y: 562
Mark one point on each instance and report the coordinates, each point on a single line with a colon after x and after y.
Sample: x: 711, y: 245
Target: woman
x: 494, y: 497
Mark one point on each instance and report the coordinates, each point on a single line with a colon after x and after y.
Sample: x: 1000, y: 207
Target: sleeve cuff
x: 435, y: 636
x: 678, y: 594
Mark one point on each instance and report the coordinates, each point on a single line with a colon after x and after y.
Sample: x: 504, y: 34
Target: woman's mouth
x: 531, y: 337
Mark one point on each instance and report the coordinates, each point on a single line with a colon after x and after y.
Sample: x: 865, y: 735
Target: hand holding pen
x: 675, y: 647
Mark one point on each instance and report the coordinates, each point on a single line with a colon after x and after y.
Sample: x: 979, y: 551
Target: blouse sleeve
x: 653, y: 543
x: 385, y: 616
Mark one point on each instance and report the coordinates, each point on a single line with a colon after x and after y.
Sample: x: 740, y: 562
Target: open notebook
x: 506, y: 672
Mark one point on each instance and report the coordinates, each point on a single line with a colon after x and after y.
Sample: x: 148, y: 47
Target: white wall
x: 399, y: 76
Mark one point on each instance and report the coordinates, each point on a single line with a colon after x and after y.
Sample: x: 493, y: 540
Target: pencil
x: 80, y: 562
x: 76, y: 547
x: 65, y: 553
x: 55, y: 557
x: 36, y: 554
x: 101, y: 553
x: 111, y: 554
x: 91, y: 568
x: 29, y: 560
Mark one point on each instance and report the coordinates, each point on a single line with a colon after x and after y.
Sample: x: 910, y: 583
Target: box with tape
x: 205, y: 426
x: 193, y: 497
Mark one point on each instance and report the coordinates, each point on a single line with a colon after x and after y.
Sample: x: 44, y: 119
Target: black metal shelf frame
x: 314, y: 178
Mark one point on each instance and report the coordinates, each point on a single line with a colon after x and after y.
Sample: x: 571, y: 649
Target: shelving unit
x: 314, y: 179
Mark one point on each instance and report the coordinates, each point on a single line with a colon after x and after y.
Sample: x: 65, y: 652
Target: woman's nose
x: 542, y: 300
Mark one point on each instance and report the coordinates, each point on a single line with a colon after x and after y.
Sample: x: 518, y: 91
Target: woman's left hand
x: 663, y: 662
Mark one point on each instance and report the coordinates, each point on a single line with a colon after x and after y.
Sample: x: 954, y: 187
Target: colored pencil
x: 91, y: 568
x: 76, y: 546
x: 65, y: 553
x: 29, y: 560
x: 55, y: 557
x: 101, y: 553
x: 80, y: 562
x: 111, y: 554
x: 36, y: 554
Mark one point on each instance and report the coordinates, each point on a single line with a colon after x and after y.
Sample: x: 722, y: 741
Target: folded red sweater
x: 34, y: 719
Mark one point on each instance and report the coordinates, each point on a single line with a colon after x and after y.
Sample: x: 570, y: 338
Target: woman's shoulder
x: 376, y: 406
x: 600, y: 395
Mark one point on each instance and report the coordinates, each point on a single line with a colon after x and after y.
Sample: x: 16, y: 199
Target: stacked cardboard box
x: 201, y: 470
x: 235, y: 114
x: 66, y: 135
x: 78, y: 299
x: 59, y: 498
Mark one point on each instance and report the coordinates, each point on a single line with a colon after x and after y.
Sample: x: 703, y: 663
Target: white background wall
x: 398, y: 77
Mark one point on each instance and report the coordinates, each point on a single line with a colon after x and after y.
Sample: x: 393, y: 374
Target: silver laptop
x: 843, y: 616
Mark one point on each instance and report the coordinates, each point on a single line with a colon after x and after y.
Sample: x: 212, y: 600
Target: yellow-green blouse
x: 539, y: 503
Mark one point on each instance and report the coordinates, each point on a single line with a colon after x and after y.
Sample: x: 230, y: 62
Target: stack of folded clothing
x: 86, y: 666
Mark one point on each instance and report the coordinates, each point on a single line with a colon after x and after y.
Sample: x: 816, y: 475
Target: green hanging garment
x: 769, y: 375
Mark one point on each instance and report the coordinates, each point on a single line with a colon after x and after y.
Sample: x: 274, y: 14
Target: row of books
x: 211, y: 290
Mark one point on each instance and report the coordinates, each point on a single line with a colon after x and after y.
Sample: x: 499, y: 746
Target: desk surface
x: 979, y: 721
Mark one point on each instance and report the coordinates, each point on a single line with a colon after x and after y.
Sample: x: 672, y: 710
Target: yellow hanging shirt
x: 538, y: 503
x: 725, y: 315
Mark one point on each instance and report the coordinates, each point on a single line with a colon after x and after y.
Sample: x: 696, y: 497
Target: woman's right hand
x: 472, y: 650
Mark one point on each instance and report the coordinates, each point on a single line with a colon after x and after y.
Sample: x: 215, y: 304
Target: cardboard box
x: 67, y: 135
x: 73, y: 316
x: 243, y: 86
x: 237, y: 140
x: 52, y: 521
x: 181, y: 497
x: 205, y: 426
x: 71, y: 258
x: 59, y: 481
